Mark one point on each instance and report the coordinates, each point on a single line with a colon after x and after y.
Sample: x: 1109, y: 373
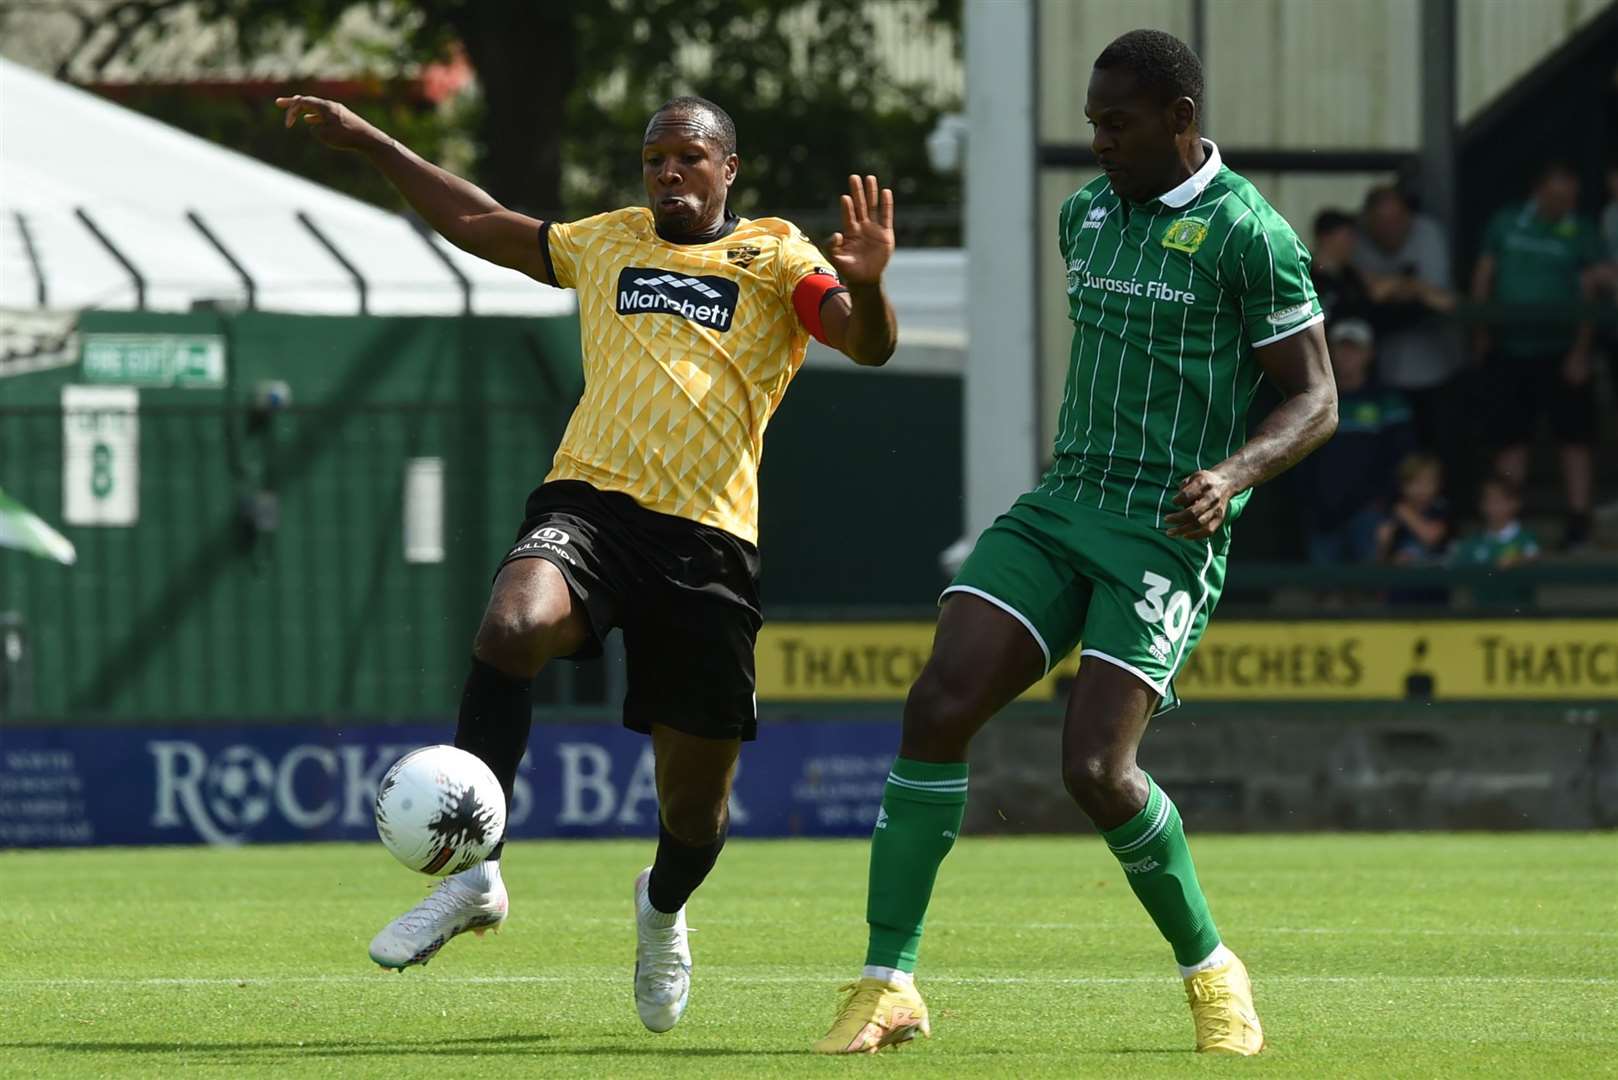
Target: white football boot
x: 662, y: 961
x: 473, y: 900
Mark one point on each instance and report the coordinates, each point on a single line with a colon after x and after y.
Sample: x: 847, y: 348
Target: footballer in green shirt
x: 1185, y: 288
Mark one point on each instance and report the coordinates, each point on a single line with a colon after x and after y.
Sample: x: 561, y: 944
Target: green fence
x: 266, y: 574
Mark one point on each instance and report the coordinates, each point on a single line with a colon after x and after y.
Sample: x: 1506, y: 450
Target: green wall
x: 191, y: 613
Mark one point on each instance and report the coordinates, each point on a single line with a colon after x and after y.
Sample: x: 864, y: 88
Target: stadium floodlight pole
x: 425, y: 231
x: 1438, y: 111
x: 41, y: 293
x: 325, y: 241
x: 249, y: 286
x: 112, y: 249
x: 1002, y: 360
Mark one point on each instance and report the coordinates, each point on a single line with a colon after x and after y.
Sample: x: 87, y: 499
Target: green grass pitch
x: 1412, y: 955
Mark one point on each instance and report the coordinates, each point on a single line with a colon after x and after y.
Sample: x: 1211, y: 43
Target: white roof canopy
x: 64, y: 151
x: 73, y: 164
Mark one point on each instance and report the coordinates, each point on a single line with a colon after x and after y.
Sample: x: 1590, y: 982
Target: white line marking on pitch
x: 1394, y: 931
x: 424, y: 980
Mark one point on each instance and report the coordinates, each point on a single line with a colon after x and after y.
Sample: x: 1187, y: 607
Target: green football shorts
x: 1135, y: 597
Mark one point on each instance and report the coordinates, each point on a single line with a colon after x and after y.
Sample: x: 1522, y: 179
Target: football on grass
x: 440, y: 810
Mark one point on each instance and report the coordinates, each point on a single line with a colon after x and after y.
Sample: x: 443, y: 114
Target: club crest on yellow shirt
x: 1186, y: 235
x: 743, y: 255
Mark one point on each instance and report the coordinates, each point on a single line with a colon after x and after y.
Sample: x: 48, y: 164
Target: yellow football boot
x: 875, y: 1014
x: 1222, y: 1009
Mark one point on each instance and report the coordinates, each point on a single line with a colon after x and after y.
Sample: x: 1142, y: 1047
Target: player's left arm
x: 858, y: 320
x: 1300, y: 368
x: 1268, y: 276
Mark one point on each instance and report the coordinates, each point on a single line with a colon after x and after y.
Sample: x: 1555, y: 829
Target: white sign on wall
x: 100, y: 455
x: 424, y: 510
x: 195, y: 360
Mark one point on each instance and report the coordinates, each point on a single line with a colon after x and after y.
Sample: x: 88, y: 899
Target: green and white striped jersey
x: 1168, y: 298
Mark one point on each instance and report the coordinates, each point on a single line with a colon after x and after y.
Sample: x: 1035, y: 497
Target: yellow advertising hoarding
x: 1316, y: 660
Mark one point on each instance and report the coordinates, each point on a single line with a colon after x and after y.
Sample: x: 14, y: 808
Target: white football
x: 440, y: 810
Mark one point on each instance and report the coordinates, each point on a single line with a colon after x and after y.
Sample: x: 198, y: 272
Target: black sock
x: 496, y: 713
x: 678, y: 870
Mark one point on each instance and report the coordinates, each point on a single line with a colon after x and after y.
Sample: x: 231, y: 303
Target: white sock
x: 483, y: 877
x: 892, y: 976
x: 1218, y: 958
x: 651, y: 916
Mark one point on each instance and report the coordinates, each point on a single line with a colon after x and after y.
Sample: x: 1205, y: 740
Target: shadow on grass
x: 492, y: 1044
x: 244, y: 1052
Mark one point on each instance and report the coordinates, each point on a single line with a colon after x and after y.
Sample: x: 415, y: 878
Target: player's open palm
x: 332, y: 122
x: 861, y: 251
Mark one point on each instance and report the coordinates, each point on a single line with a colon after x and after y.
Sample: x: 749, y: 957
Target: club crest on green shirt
x: 1186, y: 235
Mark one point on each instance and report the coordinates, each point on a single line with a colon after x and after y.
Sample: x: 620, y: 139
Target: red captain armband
x: 810, y: 293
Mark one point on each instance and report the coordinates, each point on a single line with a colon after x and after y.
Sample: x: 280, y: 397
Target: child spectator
x: 1503, y: 542
x: 1418, y: 528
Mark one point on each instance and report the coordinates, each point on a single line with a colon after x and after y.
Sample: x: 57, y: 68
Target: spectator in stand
x: 1405, y: 260
x: 1542, y: 252
x: 1348, y: 482
x: 1503, y: 542
x: 1343, y: 291
x: 1418, y: 528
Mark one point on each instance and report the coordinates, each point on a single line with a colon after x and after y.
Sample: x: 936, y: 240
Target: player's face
x: 1133, y: 136
x: 687, y: 174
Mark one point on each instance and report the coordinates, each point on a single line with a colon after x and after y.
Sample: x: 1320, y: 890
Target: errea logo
x: 1289, y: 315
x: 1094, y: 218
x: 708, y: 300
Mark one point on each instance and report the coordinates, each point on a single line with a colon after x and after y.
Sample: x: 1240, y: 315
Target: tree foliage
x: 566, y: 86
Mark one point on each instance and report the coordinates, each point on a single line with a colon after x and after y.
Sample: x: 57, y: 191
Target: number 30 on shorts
x: 1175, y: 615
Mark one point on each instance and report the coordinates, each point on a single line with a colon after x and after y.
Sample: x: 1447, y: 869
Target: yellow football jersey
x: 688, y: 349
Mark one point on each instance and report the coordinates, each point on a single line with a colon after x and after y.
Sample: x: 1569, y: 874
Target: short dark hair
x: 688, y: 103
x: 1331, y: 219
x: 1164, y: 65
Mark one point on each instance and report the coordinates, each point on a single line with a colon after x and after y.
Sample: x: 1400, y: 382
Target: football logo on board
x: 1186, y: 235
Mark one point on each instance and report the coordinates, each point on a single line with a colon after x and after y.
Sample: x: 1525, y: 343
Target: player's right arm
x: 456, y: 209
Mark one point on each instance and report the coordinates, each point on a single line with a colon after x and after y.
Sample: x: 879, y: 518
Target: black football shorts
x: 684, y: 594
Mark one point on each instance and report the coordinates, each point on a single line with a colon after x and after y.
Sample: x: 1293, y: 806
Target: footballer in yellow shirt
x: 694, y: 321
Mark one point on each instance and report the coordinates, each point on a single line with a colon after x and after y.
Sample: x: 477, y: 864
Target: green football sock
x: 921, y: 813
x: 1152, y: 848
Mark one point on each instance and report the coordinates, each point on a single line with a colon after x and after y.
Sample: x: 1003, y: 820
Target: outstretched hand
x: 332, y: 122
x: 861, y: 251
